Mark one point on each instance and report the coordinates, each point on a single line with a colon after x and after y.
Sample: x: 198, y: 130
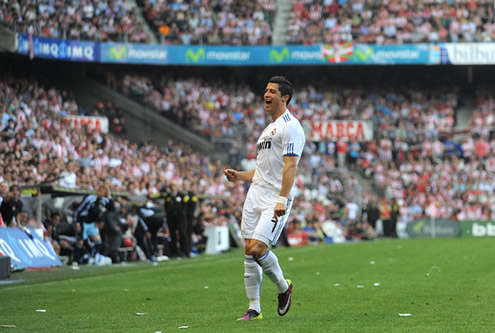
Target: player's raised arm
x: 234, y: 175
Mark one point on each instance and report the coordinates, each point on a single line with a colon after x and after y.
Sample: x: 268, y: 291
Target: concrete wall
x: 8, y: 40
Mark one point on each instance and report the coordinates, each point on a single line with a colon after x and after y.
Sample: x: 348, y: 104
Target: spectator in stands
x: 68, y: 177
x: 231, y: 23
x: 4, y: 192
x: 86, y: 20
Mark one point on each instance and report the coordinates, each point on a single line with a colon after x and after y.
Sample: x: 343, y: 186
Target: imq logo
x: 195, y: 57
x: 278, y: 57
x: 118, y: 52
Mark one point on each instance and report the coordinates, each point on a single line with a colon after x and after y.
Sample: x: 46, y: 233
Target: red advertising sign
x: 99, y: 124
x: 339, y: 130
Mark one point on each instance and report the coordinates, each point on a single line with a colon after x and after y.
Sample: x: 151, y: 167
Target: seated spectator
x: 62, y: 235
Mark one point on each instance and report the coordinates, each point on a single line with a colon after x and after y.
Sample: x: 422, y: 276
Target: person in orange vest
x: 385, y: 215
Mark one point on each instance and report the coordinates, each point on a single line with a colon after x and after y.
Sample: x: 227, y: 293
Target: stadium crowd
x: 235, y: 22
x: 108, y: 20
x: 390, y: 22
x: 242, y: 22
x: 413, y: 148
x: 40, y: 147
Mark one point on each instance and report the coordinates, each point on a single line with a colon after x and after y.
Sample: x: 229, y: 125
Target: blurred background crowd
x: 432, y: 151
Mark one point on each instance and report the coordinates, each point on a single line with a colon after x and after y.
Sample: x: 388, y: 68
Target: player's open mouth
x: 268, y: 102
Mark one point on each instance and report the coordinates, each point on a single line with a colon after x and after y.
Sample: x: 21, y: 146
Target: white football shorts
x: 257, y: 215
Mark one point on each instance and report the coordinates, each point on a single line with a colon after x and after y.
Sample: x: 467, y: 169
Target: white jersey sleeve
x: 293, y: 139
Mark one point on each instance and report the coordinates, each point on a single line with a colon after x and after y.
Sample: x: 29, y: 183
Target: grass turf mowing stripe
x: 455, y: 297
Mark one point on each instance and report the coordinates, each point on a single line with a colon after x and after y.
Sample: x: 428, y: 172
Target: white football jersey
x: 283, y: 137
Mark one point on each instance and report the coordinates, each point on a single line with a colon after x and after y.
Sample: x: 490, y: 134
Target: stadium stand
x: 40, y: 146
x: 241, y: 22
x: 84, y: 20
x: 237, y: 22
x: 393, y: 22
x: 413, y: 142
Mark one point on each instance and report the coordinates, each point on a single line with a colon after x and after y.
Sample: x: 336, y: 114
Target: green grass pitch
x: 447, y: 285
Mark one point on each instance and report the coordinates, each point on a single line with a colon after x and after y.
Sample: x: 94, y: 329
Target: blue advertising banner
x: 322, y: 54
x: 59, y: 49
x: 421, y: 54
x: 26, y: 250
x: 125, y: 53
x: 197, y: 55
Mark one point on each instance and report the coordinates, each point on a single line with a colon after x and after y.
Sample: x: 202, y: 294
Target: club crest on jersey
x: 274, y: 131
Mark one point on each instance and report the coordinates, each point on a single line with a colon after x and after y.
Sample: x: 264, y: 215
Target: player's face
x: 272, y: 97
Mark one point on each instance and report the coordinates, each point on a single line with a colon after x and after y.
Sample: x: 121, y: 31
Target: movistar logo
x: 192, y: 56
x: 276, y: 56
x: 419, y: 227
x: 363, y: 56
x: 118, y: 52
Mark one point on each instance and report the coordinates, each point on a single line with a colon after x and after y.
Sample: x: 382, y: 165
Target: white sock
x: 253, y: 275
x: 269, y: 263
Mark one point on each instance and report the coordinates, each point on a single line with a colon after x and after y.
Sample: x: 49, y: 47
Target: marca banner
x: 99, y: 124
x: 478, y: 228
x: 338, y: 130
x: 26, y: 250
x: 443, y: 228
x: 59, y: 49
x: 468, y: 53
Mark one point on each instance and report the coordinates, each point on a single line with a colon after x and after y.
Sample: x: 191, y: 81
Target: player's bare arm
x: 288, y: 177
x: 234, y: 175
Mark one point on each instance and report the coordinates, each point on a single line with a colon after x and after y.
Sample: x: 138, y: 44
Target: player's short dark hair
x: 284, y: 85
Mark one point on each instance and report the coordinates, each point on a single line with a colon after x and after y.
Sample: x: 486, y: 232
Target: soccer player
x: 270, y: 196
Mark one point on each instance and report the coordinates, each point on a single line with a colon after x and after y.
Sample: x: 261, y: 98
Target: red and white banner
x: 99, y: 124
x: 339, y: 130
